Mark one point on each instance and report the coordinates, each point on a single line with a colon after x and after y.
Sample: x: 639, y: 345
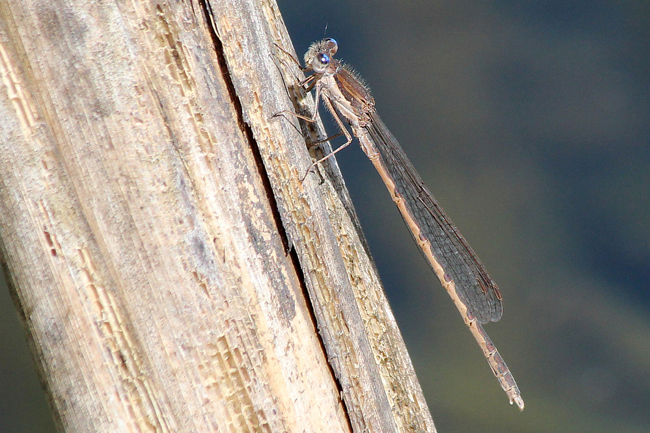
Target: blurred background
x: 529, y: 121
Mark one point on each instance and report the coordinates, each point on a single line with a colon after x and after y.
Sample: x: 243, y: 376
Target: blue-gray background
x: 529, y: 121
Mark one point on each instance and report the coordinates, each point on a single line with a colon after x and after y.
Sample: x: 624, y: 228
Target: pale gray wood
x: 142, y: 171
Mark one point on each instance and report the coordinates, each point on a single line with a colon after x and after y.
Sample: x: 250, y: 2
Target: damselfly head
x: 319, y: 55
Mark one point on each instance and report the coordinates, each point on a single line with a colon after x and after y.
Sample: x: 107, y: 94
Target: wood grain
x: 172, y: 270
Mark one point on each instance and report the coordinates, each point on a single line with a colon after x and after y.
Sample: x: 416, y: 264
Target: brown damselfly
x: 458, y: 268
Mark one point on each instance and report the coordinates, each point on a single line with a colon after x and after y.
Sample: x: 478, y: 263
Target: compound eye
x: 332, y: 45
x: 320, y: 63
